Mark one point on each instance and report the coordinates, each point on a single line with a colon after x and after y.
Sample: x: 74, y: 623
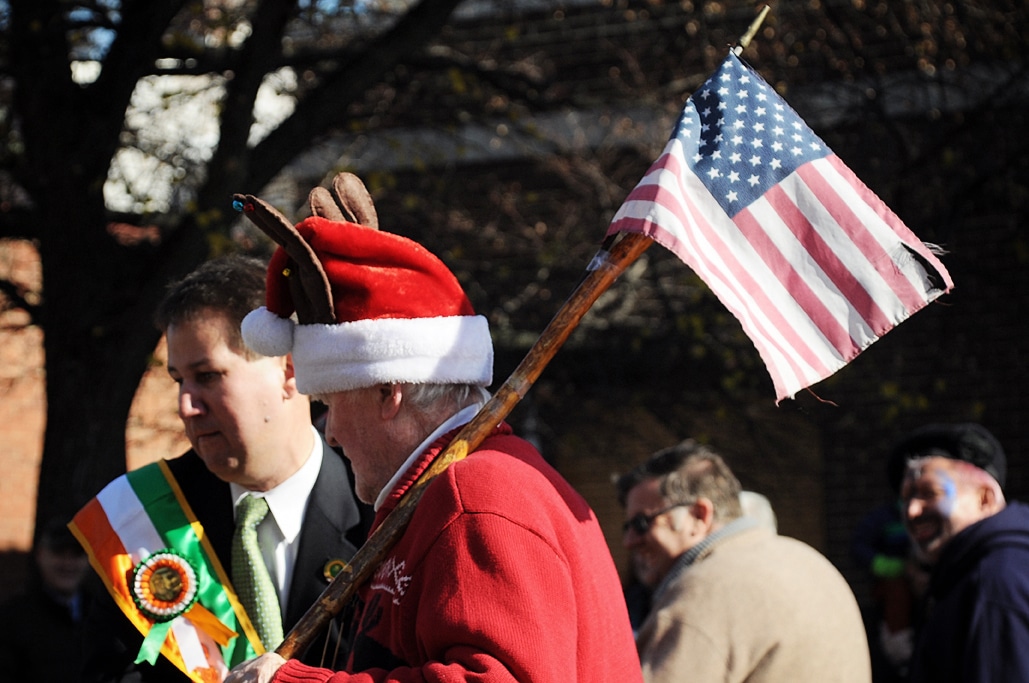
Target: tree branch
x: 16, y: 300
x: 19, y: 223
x: 326, y: 106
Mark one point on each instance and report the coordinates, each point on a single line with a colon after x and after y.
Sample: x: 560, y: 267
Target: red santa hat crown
x: 393, y: 311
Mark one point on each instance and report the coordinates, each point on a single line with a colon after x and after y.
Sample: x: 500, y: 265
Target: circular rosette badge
x: 164, y: 585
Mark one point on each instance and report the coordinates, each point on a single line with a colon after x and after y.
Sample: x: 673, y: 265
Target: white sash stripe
x: 129, y: 519
x: 131, y: 522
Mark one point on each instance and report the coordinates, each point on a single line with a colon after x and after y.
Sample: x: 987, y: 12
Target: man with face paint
x: 976, y: 628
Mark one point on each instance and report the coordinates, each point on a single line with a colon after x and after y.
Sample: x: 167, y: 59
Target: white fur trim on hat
x: 266, y: 333
x: 363, y: 353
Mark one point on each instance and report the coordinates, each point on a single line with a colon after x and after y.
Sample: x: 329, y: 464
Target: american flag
x: 812, y: 263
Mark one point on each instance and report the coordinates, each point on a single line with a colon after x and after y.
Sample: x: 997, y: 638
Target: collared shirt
x: 456, y: 420
x: 279, y: 532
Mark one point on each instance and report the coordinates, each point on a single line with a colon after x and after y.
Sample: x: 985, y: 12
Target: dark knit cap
x: 966, y: 441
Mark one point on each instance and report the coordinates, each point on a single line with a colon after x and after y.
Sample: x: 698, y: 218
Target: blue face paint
x: 950, y: 495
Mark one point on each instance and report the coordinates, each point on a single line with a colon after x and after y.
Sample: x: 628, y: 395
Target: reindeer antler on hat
x: 370, y: 306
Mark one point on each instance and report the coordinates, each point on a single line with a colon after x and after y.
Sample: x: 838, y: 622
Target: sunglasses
x: 642, y: 522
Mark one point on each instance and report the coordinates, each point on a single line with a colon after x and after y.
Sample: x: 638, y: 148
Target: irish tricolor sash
x: 146, y: 544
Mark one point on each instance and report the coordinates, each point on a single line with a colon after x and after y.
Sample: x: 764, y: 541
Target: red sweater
x: 502, y: 575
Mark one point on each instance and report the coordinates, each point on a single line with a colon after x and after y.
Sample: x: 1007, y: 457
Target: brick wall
x: 153, y: 430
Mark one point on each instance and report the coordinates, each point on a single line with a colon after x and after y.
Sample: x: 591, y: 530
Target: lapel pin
x: 334, y: 567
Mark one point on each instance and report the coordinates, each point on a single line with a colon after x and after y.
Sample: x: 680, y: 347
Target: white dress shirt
x: 278, y: 533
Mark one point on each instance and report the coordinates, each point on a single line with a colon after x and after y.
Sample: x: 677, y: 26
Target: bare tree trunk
x: 99, y: 298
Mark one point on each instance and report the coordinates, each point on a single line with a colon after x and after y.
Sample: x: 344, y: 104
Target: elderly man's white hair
x: 758, y: 507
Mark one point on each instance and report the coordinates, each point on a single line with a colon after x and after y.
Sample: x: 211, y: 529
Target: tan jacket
x: 756, y: 607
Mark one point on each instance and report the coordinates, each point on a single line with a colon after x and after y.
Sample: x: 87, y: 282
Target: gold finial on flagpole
x: 751, y: 31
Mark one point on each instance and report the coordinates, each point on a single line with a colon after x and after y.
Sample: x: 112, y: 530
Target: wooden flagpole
x: 616, y: 254
x: 751, y: 31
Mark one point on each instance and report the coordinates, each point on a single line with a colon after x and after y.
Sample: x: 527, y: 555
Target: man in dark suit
x: 253, y: 439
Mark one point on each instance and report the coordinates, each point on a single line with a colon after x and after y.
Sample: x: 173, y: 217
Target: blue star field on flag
x: 746, y: 138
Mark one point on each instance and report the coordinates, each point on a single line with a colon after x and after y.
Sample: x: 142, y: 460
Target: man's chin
x: 646, y: 576
x: 219, y: 463
x: 367, y: 493
x: 929, y: 551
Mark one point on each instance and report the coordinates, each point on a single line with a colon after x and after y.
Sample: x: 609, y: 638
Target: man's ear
x: 703, y: 511
x: 391, y: 396
x: 290, y: 386
x: 991, y: 500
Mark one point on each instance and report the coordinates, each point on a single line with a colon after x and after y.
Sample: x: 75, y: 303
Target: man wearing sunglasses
x: 732, y: 600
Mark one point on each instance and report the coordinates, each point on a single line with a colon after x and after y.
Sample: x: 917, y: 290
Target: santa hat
x: 395, y: 312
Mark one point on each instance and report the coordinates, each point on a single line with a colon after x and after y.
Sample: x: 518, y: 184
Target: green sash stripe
x: 175, y: 528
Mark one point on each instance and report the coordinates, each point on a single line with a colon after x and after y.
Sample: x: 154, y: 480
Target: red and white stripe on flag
x: 813, y: 264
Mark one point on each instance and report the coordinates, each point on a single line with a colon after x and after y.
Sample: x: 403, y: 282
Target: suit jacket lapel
x: 332, y: 514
